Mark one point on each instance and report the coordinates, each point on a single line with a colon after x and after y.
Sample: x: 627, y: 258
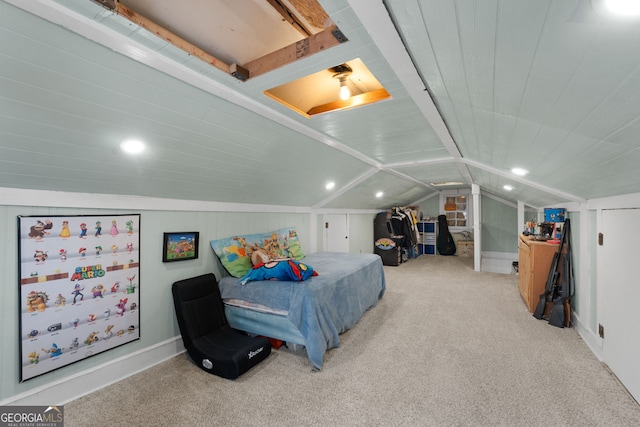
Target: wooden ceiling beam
x: 170, y: 37
x: 325, y: 39
x: 289, y: 17
x: 310, y: 45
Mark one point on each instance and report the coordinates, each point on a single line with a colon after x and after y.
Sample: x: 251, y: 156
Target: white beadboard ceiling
x: 477, y: 87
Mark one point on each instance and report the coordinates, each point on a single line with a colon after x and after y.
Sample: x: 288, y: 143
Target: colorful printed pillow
x: 235, y: 252
x: 279, y: 270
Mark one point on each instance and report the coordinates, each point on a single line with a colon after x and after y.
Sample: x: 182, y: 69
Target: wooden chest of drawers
x: 534, y: 262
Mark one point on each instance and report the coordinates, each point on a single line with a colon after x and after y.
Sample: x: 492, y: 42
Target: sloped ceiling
x: 477, y: 87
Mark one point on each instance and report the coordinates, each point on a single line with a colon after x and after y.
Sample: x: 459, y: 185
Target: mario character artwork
x: 40, y: 256
x: 121, y: 306
x: 83, y: 231
x: 93, y: 337
x: 107, y: 332
x: 40, y: 229
x: 131, y: 287
x: 54, y: 327
x: 65, y: 233
x: 60, y: 262
x: 77, y: 292
x: 115, y: 287
x: 34, y: 357
x: 60, y: 300
x: 37, y: 301
x: 54, y: 351
x: 74, y: 344
x: 98, y: 290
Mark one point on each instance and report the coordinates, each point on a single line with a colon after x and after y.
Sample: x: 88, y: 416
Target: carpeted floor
x: 446, y: 346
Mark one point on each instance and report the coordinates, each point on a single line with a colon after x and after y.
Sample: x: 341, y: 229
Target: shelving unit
x: 427, y: 243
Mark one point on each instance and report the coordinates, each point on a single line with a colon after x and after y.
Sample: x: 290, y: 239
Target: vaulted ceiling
x: 477, y: 88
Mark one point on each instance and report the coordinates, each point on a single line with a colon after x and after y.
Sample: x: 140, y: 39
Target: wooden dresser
x: 534, y: 262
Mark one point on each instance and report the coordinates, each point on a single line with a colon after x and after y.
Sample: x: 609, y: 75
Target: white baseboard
x: 593, y: 341
x: 82, y: 383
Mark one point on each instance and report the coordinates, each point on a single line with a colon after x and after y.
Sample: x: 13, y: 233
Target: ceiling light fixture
x: 508, y: 187
x: 622, y: 8
x: 519, y: 171
x: 379, y: 194
x: 330, y: 185
x: 345, y: 93
x: 132, y: 146
x: 341, y: 72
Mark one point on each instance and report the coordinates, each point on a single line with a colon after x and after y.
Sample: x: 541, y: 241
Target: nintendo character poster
x: 79, y: 288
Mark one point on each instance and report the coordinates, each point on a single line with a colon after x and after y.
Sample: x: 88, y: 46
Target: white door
x: 619, y: 293
x: 336, y: 233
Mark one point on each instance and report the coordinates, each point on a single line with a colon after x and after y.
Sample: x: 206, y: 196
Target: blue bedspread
x: 323, y: 306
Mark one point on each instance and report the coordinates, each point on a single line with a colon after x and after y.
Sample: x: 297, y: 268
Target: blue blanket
x: 323, y: 306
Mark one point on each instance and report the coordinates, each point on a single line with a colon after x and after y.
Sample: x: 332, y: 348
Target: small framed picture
x: 180, y: 246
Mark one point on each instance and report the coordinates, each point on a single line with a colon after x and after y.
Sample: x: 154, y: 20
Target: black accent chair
x: 209, y: 339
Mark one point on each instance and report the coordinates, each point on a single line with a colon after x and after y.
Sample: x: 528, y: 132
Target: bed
x: 313, y: 312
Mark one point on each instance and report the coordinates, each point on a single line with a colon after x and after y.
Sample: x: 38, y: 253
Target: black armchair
x: 210, y: 342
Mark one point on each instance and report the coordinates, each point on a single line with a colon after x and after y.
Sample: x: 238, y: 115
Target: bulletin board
x: 79, y: 280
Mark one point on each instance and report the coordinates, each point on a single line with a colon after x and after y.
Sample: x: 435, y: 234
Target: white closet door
x: 336, y: 233
x: 619, y: 294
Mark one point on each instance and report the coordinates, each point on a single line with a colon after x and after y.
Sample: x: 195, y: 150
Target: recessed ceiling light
x: 519, y: 171
x: 132, y: 146
x: 330, y: 185
x: 379, y: 194
x: 508, y: 187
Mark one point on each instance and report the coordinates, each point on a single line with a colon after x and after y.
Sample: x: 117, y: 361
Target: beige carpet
x: 446, y: 346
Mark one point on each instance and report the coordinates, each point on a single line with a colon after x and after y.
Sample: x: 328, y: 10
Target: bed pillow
x: 235, y: 252
x: 279, y: 270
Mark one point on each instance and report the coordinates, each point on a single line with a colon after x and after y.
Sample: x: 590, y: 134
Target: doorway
x: 619, y: 296
x: 336, y: 233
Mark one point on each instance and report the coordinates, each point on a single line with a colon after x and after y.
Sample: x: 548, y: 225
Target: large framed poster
x: 79, y: 288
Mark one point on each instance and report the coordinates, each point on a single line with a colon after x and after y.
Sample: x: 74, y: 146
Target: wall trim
x: 498, y: 262
x: 65, y: 199
x: 79, y: 384
x: 593, y: 341
x: 500, y: 255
